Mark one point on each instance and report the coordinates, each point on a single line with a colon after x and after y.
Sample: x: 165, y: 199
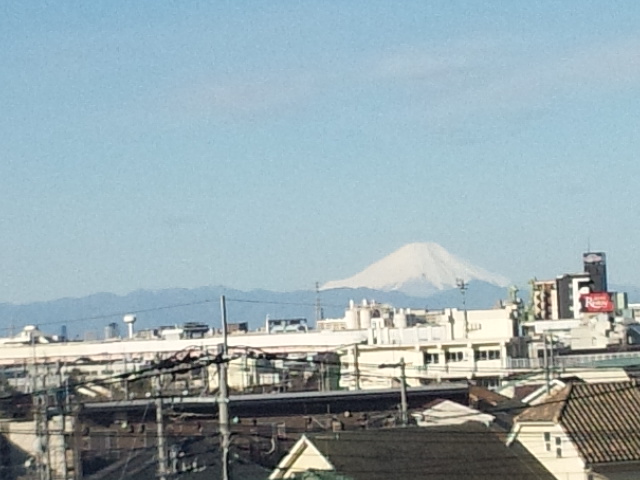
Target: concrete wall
x: 22, y: 436
x: 148, y: 349
x: 480, y: 324
x: 455, y: 360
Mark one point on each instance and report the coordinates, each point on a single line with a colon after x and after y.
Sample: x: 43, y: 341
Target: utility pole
x: 403, y: 393
x: 546, y: 363
x: 77, y: 440
x: 462, y: 285
x: 552, y: 357
x: 356, y: 366
x: 125, y: 378
x: 204, y: 375
x: 40, y: 417
x: 321, y: 372
x: 61, y: 403
x: 223, y: 394
x: 45, y: 414
x: 162, y: 447
x: 404, y: 408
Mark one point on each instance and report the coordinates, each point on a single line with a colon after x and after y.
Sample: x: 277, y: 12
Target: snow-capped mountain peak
x: 417, y: 269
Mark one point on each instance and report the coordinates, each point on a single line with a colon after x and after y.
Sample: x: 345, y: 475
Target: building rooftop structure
x: 602, y: 420
x: 467, y: 451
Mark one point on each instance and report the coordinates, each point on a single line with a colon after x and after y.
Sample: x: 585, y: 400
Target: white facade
x: 451, y: 413
x: 480, y: 324
x: 590, y: 331
x: 552, y: 447
x: 139, y: 350
x: 459, y: 324
x: 446, y: 344
x: 425, y: 361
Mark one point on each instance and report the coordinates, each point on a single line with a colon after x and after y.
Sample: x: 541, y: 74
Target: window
x: 489, y: 382
x: 454, y: 356
x: 487, y: 355
x: 558, y: 447
x: 547, y: 442
x: 431, y: 358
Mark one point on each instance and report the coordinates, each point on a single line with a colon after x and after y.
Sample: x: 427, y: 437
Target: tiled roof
x: 489, y: 397
x: 602, y: 419
x: 548, y: 410
x: 468, y: 451
x: 483, y: 398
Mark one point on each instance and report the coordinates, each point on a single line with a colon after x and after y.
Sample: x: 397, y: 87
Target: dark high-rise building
x: 570, y: 287
x: 595, y: 264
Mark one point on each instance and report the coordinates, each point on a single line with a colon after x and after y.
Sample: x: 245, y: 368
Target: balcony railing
x: 567, y: 361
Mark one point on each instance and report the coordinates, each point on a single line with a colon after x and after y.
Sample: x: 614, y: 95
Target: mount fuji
x: 418, y: 275
x: 418, y: 269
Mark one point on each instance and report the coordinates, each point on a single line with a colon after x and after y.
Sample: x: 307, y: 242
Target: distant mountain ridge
x: 418, y: 269
x: 87, y: 317
x: 418, y: 275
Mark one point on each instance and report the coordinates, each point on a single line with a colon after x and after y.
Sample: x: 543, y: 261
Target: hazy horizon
x: 273, y: 145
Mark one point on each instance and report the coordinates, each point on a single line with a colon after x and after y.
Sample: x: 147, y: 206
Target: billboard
x: 594, y: 258
x: 598, y: 302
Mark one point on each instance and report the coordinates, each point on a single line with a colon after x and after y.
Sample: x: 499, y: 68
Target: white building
x: 482, y: 360
x: 450, y: 323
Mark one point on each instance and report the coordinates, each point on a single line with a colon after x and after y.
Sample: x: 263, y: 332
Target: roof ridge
x: 564, y: 402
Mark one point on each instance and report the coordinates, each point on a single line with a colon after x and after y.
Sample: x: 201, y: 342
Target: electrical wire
x: 124, y: 468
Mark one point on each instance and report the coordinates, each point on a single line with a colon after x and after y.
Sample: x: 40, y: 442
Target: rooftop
x: 467, y: 451
x: 602, y: 419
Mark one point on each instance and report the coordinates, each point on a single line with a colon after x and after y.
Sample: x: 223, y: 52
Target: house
x: 503, y: 408
x: 466, y: 451
x: 585, y: 431
x: 445, y: 412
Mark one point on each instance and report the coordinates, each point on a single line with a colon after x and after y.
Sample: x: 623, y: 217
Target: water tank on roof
x: 351, y: 319
x: 130, y: 319
x: 400, y: 319
x: 365, y: 318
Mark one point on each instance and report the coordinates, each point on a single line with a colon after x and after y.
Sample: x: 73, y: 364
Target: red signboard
x: 597, y: 302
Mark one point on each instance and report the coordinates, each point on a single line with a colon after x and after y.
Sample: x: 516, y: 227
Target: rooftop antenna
x: 588, y: 244
x: 319, y: 312
x: 462, y: 285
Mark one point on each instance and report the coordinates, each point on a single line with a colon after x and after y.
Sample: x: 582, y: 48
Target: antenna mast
x: 319, y: 312
x: 462, y: 285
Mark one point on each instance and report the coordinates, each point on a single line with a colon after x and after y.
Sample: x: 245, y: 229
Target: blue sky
x: 273, y: 144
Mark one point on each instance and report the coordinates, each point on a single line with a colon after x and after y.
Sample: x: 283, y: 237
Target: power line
x: 172, y: 306
x: 121, y: 313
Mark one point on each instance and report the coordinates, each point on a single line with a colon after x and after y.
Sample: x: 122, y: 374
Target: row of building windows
x: 487, y: 355
x: 434, y: 358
